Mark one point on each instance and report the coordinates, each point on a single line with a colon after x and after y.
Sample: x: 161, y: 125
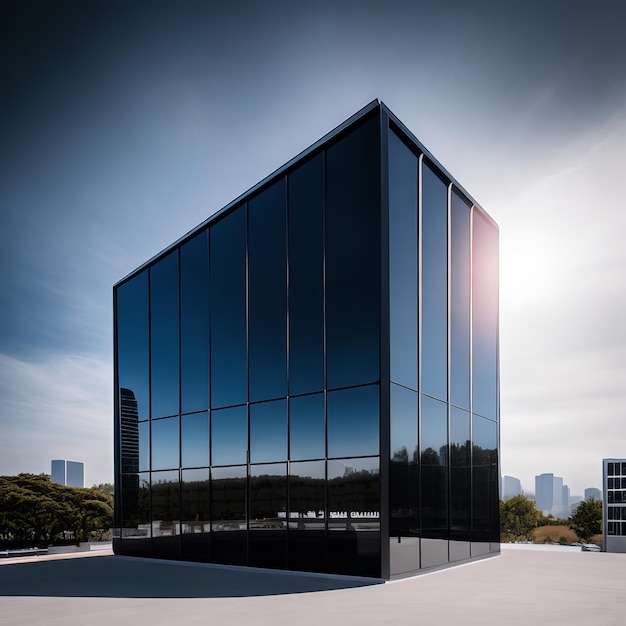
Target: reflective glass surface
x: 484, y: 317
x: 195, y: 440
x: 165, y: 448
x: 307, y: 436
x: 268, y: 431
x: 229, y: 436
x: 164, y: 344
x: 306, y: 277
x: 307, y: 483
x: 434, y: 481
x: 434, y: 336
x: 194, y: 499
x: 133, y: 341
x: 136, y: 505
x: 459, y: 301
x: 267, y: 293
x: 194, y: 324
x: 165, y: 504
x: 402, y: 262
x: 129, y: 432
x: 353, y: 258
x: 229, y: 359
x: 485, y: 506
x: 268, y: 496
x: 460, y: 476
x: 353, y: 422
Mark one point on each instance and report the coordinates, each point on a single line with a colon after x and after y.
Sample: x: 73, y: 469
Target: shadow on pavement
x: 127, y: 577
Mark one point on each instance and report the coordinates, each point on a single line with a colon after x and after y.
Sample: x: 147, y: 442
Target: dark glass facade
x: 309, y: 379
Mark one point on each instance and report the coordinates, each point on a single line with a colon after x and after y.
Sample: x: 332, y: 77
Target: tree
x: 518, y: 518
x: 587, y: 520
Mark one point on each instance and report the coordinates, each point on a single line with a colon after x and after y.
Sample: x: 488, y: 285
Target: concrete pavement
x: 519, y: 587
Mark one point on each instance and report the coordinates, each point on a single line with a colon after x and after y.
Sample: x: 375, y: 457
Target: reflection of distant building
x: 275, y: 370
x: 129, y: 432
x: 592, y: 493
x: 69, y: 473
x: 614, y: 504
x: 511, y: 487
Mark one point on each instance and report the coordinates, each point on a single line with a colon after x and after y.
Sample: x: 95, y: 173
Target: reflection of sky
x: 123, y: 130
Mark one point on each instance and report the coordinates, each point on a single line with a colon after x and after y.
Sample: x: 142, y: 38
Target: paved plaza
x: 519, y: 587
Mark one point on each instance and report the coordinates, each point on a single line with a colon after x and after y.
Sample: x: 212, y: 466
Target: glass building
x: 309, y: 379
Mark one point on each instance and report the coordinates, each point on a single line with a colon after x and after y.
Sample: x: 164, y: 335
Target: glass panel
x: 307, y: 427
x: 267, y: 289
x: 268, y: 432
x: 434, y: 335
x: 306, y: 277
x: 165, y: 448
x: 485, y: 504
x: 195, y: 440
x: 164, y: 345
x: 307, y: 482
x: 353, y: 422
x: 129, y: 432
x: 460, y: 301
x: 354, y: 517
x: 460, y: 476
x: 194, y: 328
x: 484, y: 317
x: 228, y: 498
x: 229, y: 436
x: 132, y: 342
x: 434, y: 481
x: 268, y: 496
x: 165, y: 507
x: 135, y: 506
x: 229, y: 360
x: 195, y: 501
x: 144, y: 446
x: 353, y: 257
x: 404, y: 482
x: 403, y: 262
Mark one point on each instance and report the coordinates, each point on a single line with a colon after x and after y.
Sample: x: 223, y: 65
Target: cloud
x: 60, y: 407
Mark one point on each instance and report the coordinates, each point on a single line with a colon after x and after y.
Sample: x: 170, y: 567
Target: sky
x: 124, y: 125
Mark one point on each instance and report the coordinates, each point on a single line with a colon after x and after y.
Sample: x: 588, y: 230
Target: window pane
x: 228, y: 498
x: 353, y: 257
x: 268, y: 432
x: 164, y: 344
x: 268, y: 496
x: 165, y: 451
x: 460, y: 301
x: 229, y: 365
x: 267, y: 288
x: 307, y: 481
x: 136, y: 506
x: 195, y: 501
x: 307, y: 427
x: 434, y: 285
x: 194, y: 328
x: 195, y: 440
x: 484, y: 317
x: 460, y: 475
x: 229, y: 436
x: 403, y: 425
x: 306, y: 277
x: 485, y: 479
x: 403, y: 262
x: 144, y: 446
x: 165, y: 507
x: 353, y: 423
x: 132, y: 341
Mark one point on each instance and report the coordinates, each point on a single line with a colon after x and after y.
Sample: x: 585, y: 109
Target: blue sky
x: 124, y: 125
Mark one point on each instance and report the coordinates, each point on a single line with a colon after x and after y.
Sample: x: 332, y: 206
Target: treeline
x: 519, y: 517
x: 34, y: 509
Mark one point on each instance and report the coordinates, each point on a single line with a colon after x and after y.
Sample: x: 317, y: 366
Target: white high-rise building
x: 69, y: 473
x: 511, y: 487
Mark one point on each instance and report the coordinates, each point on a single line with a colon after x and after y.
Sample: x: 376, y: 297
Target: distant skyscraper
x: 69, y: 473
x: 511, y: 487
x: 592, y: 492
x: 551, y: 495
